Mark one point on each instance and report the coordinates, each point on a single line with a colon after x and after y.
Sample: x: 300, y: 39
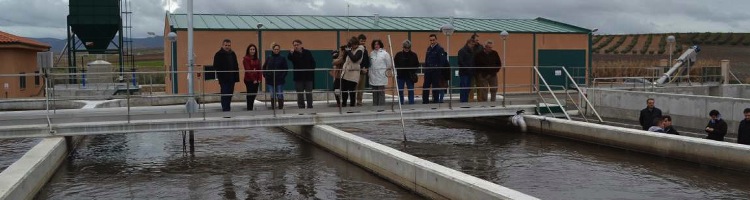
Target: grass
x: 150, y: 63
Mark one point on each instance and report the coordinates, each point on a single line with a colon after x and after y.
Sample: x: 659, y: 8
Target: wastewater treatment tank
x: 95, y: 22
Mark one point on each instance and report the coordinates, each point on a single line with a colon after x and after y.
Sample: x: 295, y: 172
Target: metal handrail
x: 735, y: 77
x: 584, y: 97
x: 551, y: 92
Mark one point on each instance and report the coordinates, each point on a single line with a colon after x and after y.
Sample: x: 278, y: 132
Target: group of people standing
x: 354, y: 67
x: 478, y: 67
x: 651, y: 119
x: 274, y: 70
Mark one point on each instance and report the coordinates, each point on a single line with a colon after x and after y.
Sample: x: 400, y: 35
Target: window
x: 36, y: 78
x: 22, y: 81
x: 209, y: 72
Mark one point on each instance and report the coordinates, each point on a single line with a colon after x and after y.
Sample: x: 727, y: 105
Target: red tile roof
x: 7, y: 38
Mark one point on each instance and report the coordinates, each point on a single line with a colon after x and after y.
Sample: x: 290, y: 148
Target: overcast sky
x: 47, y: 18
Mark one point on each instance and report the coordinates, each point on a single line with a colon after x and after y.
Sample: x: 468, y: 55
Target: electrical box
x: 44, y: 60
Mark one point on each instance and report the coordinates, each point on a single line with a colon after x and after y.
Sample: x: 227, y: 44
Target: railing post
x: 450, y: 84
x: 127, y: 95
x: 504, y: 83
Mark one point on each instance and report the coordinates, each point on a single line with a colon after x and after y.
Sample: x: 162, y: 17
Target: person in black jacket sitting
x: 668, y: 125
x: 743, y: 132
x: 717, y: 127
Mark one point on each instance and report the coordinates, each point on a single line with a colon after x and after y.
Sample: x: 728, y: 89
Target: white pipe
x: 688, y: 56
x: 517, y: 120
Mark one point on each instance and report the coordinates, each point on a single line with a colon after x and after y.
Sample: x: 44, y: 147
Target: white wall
x: 686, y: 110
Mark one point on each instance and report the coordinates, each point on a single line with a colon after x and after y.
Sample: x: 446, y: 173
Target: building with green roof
x: 531, y: 42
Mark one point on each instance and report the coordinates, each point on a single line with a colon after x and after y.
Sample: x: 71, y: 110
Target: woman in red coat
x: 253, y: 75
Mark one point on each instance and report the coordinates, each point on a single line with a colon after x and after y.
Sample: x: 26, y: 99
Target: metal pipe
x: 190, y: 104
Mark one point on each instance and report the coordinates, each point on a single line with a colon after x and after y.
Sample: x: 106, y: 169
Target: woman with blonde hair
x: 275, y: 74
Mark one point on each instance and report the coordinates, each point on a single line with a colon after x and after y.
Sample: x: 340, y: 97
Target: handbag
x: 414, y: 78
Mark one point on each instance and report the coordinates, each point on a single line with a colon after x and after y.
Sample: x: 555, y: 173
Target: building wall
x: 15, y: 61
x: 521, y: 49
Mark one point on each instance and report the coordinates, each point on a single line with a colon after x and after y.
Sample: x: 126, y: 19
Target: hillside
x: 156, y: 42
x: 638, y: 51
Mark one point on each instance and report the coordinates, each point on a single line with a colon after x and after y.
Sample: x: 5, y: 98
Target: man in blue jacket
x: 433, y: 77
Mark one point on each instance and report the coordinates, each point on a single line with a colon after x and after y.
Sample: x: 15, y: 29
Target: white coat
x: 380, y: 62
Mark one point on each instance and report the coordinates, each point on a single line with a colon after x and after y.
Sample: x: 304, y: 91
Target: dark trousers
x: 378, y: 95
x: 405, y: 84
x: 252, y: 92
x: 465, y: 84
x: 227, y: 88
x: 304, y: 93
x: 432, y: 79
x: 348, y: 90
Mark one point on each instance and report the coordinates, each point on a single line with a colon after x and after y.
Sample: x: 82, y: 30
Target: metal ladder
x: 557, y: 100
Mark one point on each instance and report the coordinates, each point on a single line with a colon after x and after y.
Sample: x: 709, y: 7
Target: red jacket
x: 252, y: 69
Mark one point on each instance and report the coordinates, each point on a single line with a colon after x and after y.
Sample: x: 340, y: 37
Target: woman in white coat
x: 380, y: 68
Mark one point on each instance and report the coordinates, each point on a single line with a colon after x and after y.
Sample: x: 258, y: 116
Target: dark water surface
x: 554, y: 168
x: 260, y: 163
x: 13, y: 149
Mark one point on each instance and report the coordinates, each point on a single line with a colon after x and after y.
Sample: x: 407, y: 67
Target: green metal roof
x: 367, y: 23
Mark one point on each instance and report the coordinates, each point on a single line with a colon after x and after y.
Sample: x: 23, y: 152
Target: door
x: 323, y: 60
x: 550, y: 63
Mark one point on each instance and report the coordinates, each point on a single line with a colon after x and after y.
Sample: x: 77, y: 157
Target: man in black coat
x: 304, y: 74
x: 743, y: 132
x: 649, y: 114
x: 227, y: 71
x: 466, y: 69
x: 717, y: 127
x: 668, y: 128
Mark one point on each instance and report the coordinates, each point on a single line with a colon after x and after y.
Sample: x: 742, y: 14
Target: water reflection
x: 227, y: 164
x: 13, y: 149
x: 554, y: 168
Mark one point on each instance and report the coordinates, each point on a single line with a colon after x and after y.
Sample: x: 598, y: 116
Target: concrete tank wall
x: 704, y: 151
x: 689, y: 111
x: 24, y: 178
x: 421, y: 176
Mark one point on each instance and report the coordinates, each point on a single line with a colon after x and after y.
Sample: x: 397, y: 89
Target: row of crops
x: 650, y: 44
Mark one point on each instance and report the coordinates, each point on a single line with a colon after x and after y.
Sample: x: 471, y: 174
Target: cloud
x: 46, y: 18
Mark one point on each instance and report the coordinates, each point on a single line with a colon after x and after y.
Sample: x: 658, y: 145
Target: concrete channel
x: 421, y: 176
x: 698, y: 150
x: 24, y: 178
